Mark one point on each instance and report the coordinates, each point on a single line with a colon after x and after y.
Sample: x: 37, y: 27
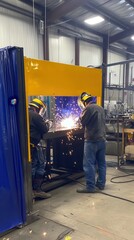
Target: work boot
x: 40, y: 194
x: 99, y: 186
x: 85, y: 190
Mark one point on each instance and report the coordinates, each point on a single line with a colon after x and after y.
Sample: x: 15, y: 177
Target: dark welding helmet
x: 39, y: 105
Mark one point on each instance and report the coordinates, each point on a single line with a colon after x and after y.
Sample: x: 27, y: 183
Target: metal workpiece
x: 64, y: 157
x: 62, y: 132
x: 64, y: 149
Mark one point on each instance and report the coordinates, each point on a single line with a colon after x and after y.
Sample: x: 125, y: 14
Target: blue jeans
x: 94, y: 156
x: 38, y: 162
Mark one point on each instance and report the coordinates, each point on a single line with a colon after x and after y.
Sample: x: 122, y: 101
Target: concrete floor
x: 99, y: 216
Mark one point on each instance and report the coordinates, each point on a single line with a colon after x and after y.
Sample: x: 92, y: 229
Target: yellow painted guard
x: 55, y: 79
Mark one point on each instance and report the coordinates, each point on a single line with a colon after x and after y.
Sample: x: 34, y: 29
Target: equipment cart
x: 127, y: 141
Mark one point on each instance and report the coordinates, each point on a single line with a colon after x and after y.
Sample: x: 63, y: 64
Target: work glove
x: 78, y: 122
x: 49, y: 123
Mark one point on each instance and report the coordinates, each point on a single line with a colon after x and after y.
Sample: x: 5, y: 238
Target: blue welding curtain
x: 12, y: 202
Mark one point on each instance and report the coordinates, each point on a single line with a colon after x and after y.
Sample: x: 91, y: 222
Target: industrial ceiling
x: 67, y: 16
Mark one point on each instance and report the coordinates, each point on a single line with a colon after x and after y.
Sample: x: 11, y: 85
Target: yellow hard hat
x: 37, y: 103
x: 85, y: 96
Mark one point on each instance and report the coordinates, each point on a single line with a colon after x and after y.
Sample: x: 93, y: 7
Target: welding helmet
x: 39, y: 105
x: 83, y: 99
x: 86, y: 97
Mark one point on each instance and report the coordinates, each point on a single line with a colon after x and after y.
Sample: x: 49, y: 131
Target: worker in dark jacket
x: 38, y: 127
x: 93, y: 121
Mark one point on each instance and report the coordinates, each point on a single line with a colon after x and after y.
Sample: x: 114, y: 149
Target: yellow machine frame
x: 55, y: 79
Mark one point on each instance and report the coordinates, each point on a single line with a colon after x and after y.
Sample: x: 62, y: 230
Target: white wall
x: 115, y: 73
x: 61, y: 49
x: 131, y: 74
x: 90, y: 54
x: 20, y: 31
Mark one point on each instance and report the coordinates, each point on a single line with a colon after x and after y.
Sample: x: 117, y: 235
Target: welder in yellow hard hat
x: 38, y: 127
x: 39, y: 105
x: 93, y: 121
x: 83, y: 98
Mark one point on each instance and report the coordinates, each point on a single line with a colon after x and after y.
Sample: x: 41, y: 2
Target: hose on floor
x: 127, y: 175
x: 107, y: 194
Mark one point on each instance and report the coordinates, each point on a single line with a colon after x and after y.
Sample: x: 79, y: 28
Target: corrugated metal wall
x: 90, y: 54
x: 22, y: 31
x: 18, y: 30
x: 61, y: 49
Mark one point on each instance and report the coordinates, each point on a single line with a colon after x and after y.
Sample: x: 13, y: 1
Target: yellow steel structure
x: 56, y: 79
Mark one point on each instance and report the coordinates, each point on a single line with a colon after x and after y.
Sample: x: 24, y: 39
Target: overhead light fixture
x: 94, y: 20
x: 132, y: 37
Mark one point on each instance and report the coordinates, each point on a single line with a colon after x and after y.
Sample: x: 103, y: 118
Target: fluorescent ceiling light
x: 94, y: 20
x: 132, y: 37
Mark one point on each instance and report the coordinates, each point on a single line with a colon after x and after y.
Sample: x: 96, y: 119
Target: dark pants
x: 94, y: 155
x: 38, y: 165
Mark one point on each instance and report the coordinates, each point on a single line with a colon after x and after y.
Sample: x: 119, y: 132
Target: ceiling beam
x: 127, y: 45
x: 85, y: 28
x: 121, y: 35
x: 71, y: 5
x: 131, y: 50
x: 63, y: 9
x: 31, y: 3
x: 131, y: 3
x: 100, y: 44
x: 72, y: 34
x: 18, y: 10
x: 107, y: 15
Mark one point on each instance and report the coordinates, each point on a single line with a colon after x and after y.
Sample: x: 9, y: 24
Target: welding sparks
x: 68, y: 122
x: 66, y: 112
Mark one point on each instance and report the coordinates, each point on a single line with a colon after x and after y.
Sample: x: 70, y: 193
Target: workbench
x: 64, y: 154
x: 65, y: 148
x: 128, y: 141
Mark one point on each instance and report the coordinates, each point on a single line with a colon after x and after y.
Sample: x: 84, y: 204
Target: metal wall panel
x: 18, y: 30
x: 61, y: 49
x: 90, y: 54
